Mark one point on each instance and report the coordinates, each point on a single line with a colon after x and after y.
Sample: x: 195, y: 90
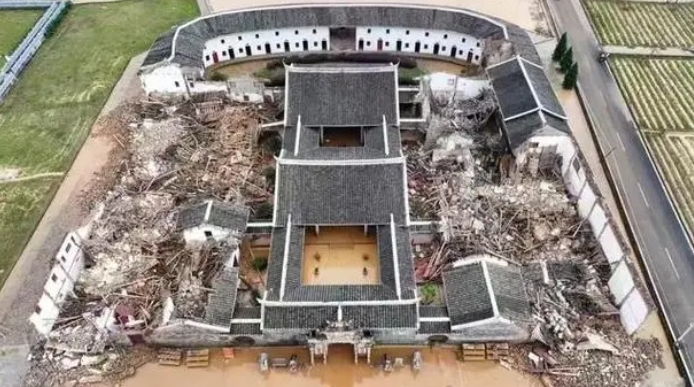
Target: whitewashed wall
x: 164, y: 79
x: 632, y: 307
x: 417, y: 40
x: 69, y: 264
x: 196, y: 235
x: 200, y: 87
x: 267, y: 42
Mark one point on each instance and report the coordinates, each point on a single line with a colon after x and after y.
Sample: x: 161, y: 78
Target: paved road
x: 660, y: 237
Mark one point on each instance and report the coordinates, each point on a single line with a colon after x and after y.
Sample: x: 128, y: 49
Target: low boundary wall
x: 23, y: 54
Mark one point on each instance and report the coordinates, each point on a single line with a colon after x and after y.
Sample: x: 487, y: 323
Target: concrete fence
x: 4, y: 4
x: 69, y: 264
x: 21, y: 56
x: 632, y: 307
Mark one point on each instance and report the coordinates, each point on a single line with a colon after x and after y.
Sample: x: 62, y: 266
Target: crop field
x: 627, y: 23
x: 46, y: 118
x: 674, y: 155
x: 15, y: 25
x: 659, y: 91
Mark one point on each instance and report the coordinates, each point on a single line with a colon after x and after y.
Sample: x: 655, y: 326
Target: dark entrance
x: 268, y: 49
x: 416, y: 47
x: 379, y: 45
x: 398, y: 45
x: 286, y: 46
x: 454, y: 51
x: 248, y: 50
x: 469, y: 56
x: 324, y: 45
x: 305, y: 45
x: 231, y: 53
x: 215, y: 57
x: 361, y: 45
x: 436, y: 49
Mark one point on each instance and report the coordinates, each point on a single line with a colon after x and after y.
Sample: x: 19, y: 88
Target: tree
x: 566, y: 60
x: 562, y: 45
x: 571, y: 77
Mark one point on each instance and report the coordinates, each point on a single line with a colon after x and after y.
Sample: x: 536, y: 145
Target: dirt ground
x: 440, y: 368
x: 525, y: 13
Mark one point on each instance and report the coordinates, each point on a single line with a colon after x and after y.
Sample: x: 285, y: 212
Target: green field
x: 47, y: 117
x: 15, y: 25
x: 660, y: 94
x: 659, y: 91
x: 627, y: 23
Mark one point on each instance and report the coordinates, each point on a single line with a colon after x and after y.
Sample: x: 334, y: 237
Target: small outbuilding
x: 486, y: 299
x: 212, y: 220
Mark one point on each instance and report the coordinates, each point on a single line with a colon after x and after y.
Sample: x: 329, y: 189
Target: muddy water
x: 440, y: 368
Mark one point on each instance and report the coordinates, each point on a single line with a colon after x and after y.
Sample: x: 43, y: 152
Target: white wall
x: 254, y: 43
x: 199, y: 87
x: 164, y: 79
x: 68, y: 265
x: 542, y: 141
x: 446, y: 40
x: 632, y: 308
x: 197, y: 235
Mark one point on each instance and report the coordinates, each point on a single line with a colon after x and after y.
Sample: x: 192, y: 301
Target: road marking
x: 619, y: 138
x: 669, y: 257
x: 643, y: 195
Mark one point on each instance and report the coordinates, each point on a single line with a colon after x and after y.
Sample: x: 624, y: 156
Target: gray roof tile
x: 246, y: 329
x: 543, y: 89
x: 381, y: 316
x: 225, y: 215
x: 433, y: 311
x: 191, y: 39
x: 467, y: 296
x: 222, y: 299
x: 341, y: 98
x: 341, y: 194
x: 509, y: 291
x: 299, y: 318
x: 430, y: 328
x: 247, y: 312
x: 511, y: 88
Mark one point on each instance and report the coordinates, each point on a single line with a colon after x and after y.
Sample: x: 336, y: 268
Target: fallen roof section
x: 214, y: 213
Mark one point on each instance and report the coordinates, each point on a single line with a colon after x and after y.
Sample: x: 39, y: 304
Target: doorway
x: 398, y: 45
x: 268, y: 48
x: 416, y: 47
x: 454, y: 51
x: 248, y: 50
x: 436, y: 49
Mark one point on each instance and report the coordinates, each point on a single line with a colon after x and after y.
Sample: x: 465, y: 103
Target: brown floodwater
x: 440, y: 368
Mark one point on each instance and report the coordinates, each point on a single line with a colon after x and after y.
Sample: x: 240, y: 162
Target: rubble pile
x: 485, y: 205
x: 140, y: 274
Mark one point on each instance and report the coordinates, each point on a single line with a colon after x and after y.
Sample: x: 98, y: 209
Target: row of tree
x: 564, y: 54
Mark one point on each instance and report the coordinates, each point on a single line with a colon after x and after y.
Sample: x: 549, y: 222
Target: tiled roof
x: 381, y: 316
x: 432, y: 311
x: 192, y: 37
x: 310, y: 149
x: 299, y: 318
x: 334, y: 96
x: 426, y: 327
x: 246, y: 329
x: 225, y: 215
x: 509, y: 291
x: 247, y: 312
x: 341, y: 194
x: 469, y: 298
x: 467, y: 295
x: 222, y: 299
x: 527, y: 101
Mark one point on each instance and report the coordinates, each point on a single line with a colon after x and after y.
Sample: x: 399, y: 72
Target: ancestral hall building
x: 341, y: 174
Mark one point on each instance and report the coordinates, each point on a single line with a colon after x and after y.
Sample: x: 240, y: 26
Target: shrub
x: 566, y: 60
x: 272, y: 145
x: 571, y: 77
x: 218, y: 77
x: 259, y: 264
x: 264, y: 211
x: 560, y: 50
x: 429, y: 293
x: 269, y: 174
